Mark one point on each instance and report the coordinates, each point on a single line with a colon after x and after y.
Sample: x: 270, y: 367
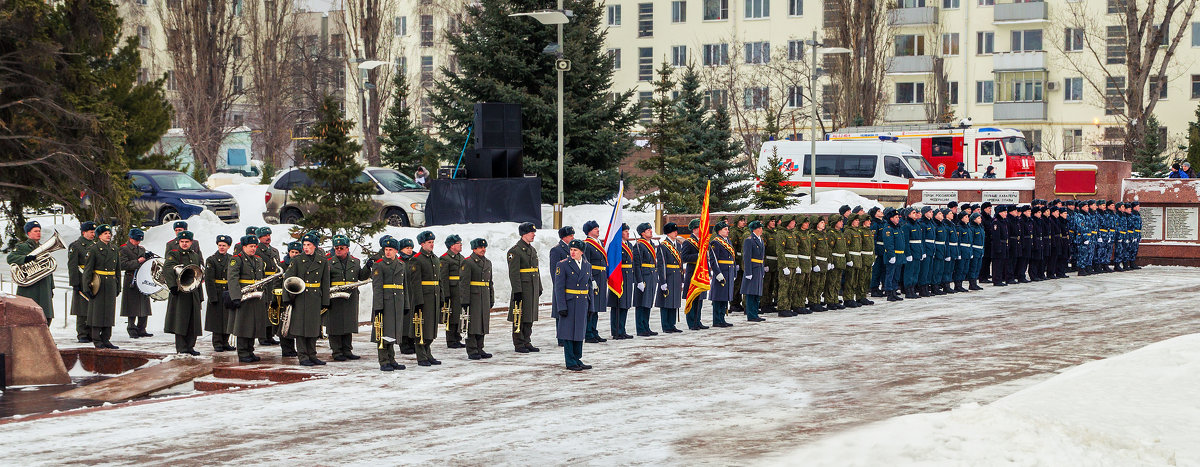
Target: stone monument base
x: 32, y: 357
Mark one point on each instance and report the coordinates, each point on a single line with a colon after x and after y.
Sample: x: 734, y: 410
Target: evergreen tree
x: 772, y: 194
x: 731, y: 179
x: 342, y: 203
x: 500, y: 60
x: 1149, y: 160
x: 402, y: 146
x: 671, y: 167
x: 1193, y: 136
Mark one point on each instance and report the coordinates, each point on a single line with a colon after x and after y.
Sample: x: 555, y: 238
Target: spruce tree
x: 500, y: 59
x: 671, y: 168
x: 731, y: 179
x: 342, y: 203
x: 402, y: 146
x: 1148, y: 160
x: 1193, y: 136
x: 772, y: 194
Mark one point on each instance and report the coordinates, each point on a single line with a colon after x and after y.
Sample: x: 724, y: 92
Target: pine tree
x: 772, y: 194
x: 500, y: 60
x: 671, y: 167
x: 731, y: 179
x: 1149, y: 160
x: 402, y: 146
x: 1193, y: 136
x: 342, y: 204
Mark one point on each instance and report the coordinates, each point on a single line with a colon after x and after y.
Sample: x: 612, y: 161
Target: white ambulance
x: 878, y: 170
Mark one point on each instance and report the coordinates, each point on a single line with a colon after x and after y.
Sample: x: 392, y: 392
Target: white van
x: 878, y: 170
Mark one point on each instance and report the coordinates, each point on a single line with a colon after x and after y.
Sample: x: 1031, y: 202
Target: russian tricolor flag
x: 612, y: 244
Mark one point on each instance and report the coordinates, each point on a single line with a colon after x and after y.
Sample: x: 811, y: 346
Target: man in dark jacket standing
x: 305, y: 325
x: 754, y: 252
x: 573, y: 288
x: 102, y: 262
x: 595, y: 255
x: 646, y: 274
x: 76, y: 255
x: 135, y: 305
x: 526, y: 284
x: 183, y: 307
x: 341, y: 321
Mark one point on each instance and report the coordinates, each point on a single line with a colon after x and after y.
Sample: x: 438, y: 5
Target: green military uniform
x: 249, y: 320
x: 770, y: 295
x: 76, y: 255
x: 305, y: 324
x: 804, y: 277
x: 216, y: 316
x: 341, y: 321
x: 526, y: 281
x: 787, y: 250
x: 822, y: 251
x: 174, y: 245
x: 42, y: 291
x: 390, y: 311
x: 271, y: 267
x: 868, y: 260
x: 477, y: 294
x: 424, y: 269
x: 103, y: 261
x: 451, y: 280
x: 135, y: 305
x: 853, y: 236
x: 183, y: 308
x: 839, y: 251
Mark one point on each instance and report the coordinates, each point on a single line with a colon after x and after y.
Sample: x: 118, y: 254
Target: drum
x: 149, y: 280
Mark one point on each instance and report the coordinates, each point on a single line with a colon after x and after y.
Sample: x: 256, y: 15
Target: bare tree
x: 859, y: 96
x: 369, y: 36
x: 313, y: 74
x: 271, y: 26
x: 202, y: 38
x: 1123, y: 59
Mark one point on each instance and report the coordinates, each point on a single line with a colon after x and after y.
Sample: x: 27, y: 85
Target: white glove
x: 1085, y: 242
x: 828, y: 266
x: 923, y: 256
x: 908, y: 258
x: 787, y: 272
x: 594, y: 287
x: 749, y: 277
x: 720, y: 277
x: 849, y: 264
x: 947, y: 258
x: 766, y: 269
x: 960, y: 257
x: 663, y: 287
x: 642, y: 286
x: 891, y: 260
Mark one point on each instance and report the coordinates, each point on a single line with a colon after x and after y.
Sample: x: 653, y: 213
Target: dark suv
x: 167, y: 196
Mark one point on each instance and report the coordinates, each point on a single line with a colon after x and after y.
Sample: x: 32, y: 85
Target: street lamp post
x: 365, y: 66
x: 557, y: 17
x: 812, y: 92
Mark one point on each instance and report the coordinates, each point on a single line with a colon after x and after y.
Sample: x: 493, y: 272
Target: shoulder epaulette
x: 380, y: 259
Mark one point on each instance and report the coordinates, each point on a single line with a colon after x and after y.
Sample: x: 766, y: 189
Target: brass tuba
x: 188, y: 277
x: 29, y: 273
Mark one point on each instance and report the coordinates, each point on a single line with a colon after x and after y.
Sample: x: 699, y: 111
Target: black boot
x: 893, y: 296
x: 864, y: 302
x: 877, y: 293
x: 958, y: 287
x: 975, y: 285
x: 850, y: 304
x: 909, y: 293
x: 923, y: 290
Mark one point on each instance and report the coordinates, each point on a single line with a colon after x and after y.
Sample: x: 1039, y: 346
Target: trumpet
x: 516, y: 312
x: 418, y: 322
x: 378, y: 323
x: 27, y: 274
x: 464, y: 319
x: 446, y: 314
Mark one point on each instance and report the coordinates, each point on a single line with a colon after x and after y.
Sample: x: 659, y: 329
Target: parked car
x: 398, y: 199
x: 167, y: 196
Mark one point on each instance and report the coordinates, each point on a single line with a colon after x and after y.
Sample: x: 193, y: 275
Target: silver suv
x: 399, y: 200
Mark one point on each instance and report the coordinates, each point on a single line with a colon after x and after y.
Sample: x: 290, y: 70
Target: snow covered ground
x: 748, y: 394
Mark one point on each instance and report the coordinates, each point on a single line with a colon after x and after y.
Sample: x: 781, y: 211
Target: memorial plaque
x: 1152, y: 223
x: 1180, y: 224
x: 938, y: 197
x: 1002, y: 197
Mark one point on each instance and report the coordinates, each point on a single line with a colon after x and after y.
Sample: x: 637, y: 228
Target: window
x: 1114, y: 132
x: 615, y: 56
x: 911, y: 3
x: 645, y: 98
x: 1072, y: 140
x: 893, y: 166
x: 453, y: 63
x: 237, y: 7
x: 678, y: 11
x: 1195, y: 34
x: 1195, y: 86
x: 950, y: 4
x: 950, y: 43
x: 143, y: 76
x: 141, y: 2
x: 1116, y: 6
x: 714, y: 98
x: 1033, y: 138
x: 337, y: 43
x: 426, y: 111
x: 716, y: 54
x: 614, y: 15
x: 1165, y: 38
x: 795, y: 50
x: 758, y: 9
x: 758, y: 52
x: 1029, y: 40
x: 910, y: 93
x: 1115, y: 44
x: 988, y: 148
x: 755, y: 98
x: 402, y: 64
x: 339, y: 79
x: 858, y: 166
x: 985, y: 92
x: 171, y: 86
x: 795, y: 7
x: 1155, y: 89
x: 1114, y: 100
x: 942, y: 146
x: 679, y: 55
x: 238, y: 119
x: 985, y: 43
x: 1022, y: 86
x: 909, y: 45
x: 143, y: 37
x: 426, y: 70
x: 401, y: 26
x: 716, y: 10
x: 237, y: 84
x: 645, y: 64
x: 795, y: 96
x: 426, y: 30
x: 1073, y: 89
x: 987, y: 2
x: 645, y: 20
x: 953, y: 88
x: 1073, y: 39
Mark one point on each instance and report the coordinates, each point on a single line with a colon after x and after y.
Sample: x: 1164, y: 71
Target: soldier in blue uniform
x: 940, y: 252
x: 754, y: 252
x: 1136, y: 218
x: 1000, y: 250
x: 721, y: 256
x: 895, y: 242
x: 620, y: 304
x: 573, y: 290
x: 877, y: 268
x: 929, y: 237
x: 915, y: 246
x: 962, y: 263
x: 1039, y: 250
x: 669, y: 267
x: 978, y: 241
x: 646, y: 273
x: 561, y: 251
x: 1081, y: 239
x: 594, y: 253
x: 690, y: 250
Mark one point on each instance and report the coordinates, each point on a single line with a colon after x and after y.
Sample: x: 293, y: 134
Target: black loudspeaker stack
x: 497, y: 152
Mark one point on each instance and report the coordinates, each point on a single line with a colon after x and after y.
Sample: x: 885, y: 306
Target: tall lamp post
x: 812, y: 92
x: 363, y: 67
x: 557, y: 17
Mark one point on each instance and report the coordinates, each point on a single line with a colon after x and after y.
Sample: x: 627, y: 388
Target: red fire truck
x: 944, y: 146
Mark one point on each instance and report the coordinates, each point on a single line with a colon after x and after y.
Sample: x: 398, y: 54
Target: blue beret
x: 225, y: 238
x: 384, y: 239
x: 248, y: 240
x: 451, y: 240
x: 185, y: 235
x: 137, y: 234
x: 425, y: 236
x: 478, y: 243
x: 31, y: 225
x: 262, y: 232
x: 405, y: 243
x: 179, y: 225
x: 87, y: 226
x: 566, y: 231
x: 589, y: 225
x: 341, y: 240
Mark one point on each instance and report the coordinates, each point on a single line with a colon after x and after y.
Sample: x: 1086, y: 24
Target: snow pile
x: 826, y: 202
x: 1134, y: 409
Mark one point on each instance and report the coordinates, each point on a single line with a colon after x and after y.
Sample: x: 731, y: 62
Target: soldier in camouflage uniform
x: 822, y: 252
x: 804, y: 264
x: 787, y: 250
x: 839, y: 251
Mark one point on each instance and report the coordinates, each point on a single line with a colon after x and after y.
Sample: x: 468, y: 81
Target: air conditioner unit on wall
x: 1052, y: 85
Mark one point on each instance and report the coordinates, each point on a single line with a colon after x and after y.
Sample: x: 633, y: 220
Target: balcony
x: 913, y: 16
x: 1030, y: 12
x: 910, y: 65
x: 1019, y: 61
x: 1019, y: 111
x: 905, y: 113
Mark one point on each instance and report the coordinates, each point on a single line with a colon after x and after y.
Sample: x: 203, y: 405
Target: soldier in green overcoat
x: 341, y: 321
x: 271, y: 262
x: 423, y: 270
x: 216, y: 316
x: 389, y: 303
x: 135, y: 305
x: 104, y: 262
x: 526, y: 284
x: 248, y: 312
x: 183, y: 308
x: 451, y: 279
x: 42, y: 291
x: 76, y: 255
x: 305, y: 326
x: 477, y: 293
